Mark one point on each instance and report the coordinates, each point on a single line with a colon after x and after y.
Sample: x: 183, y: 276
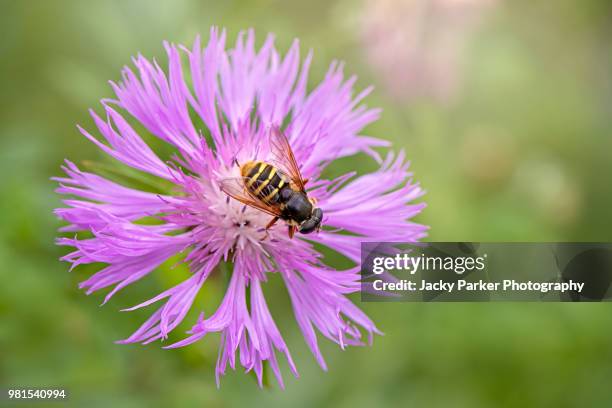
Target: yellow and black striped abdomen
x: 263, y: 181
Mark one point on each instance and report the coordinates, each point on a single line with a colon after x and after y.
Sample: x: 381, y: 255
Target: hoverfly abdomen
x: 264, y: 181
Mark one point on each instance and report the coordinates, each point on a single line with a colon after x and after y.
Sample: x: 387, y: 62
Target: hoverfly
x: 276, y: 188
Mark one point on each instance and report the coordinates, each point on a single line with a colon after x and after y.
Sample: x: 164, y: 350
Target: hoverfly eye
x: 307, y: 229
x: 310, y: 225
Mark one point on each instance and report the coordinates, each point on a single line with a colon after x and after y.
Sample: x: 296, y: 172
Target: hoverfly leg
x: 291, y: 231
x: 306, y: 181
x: 271, y: 223
x: 235, y: 161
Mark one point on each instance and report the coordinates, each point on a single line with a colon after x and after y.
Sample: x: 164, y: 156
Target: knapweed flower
x: 215, y: 107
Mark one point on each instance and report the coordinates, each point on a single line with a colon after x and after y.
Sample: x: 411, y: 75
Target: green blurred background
x: 504, y: 109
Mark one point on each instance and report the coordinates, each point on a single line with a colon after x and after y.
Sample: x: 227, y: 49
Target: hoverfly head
x: 313, y: 223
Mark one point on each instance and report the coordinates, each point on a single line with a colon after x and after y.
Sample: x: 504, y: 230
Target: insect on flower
x: 252, y: 108
x: 277, y: 189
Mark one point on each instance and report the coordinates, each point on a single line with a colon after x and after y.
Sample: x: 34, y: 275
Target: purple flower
x: 240, y: 95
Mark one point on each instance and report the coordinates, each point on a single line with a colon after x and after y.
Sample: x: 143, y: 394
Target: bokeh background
x: 504, y: 108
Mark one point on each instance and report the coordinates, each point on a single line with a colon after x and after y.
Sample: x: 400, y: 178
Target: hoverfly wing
x: 234, y: 187
x: 284, y: 158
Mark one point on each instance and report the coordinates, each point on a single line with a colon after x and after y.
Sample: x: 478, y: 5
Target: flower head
x: 239, y: 95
